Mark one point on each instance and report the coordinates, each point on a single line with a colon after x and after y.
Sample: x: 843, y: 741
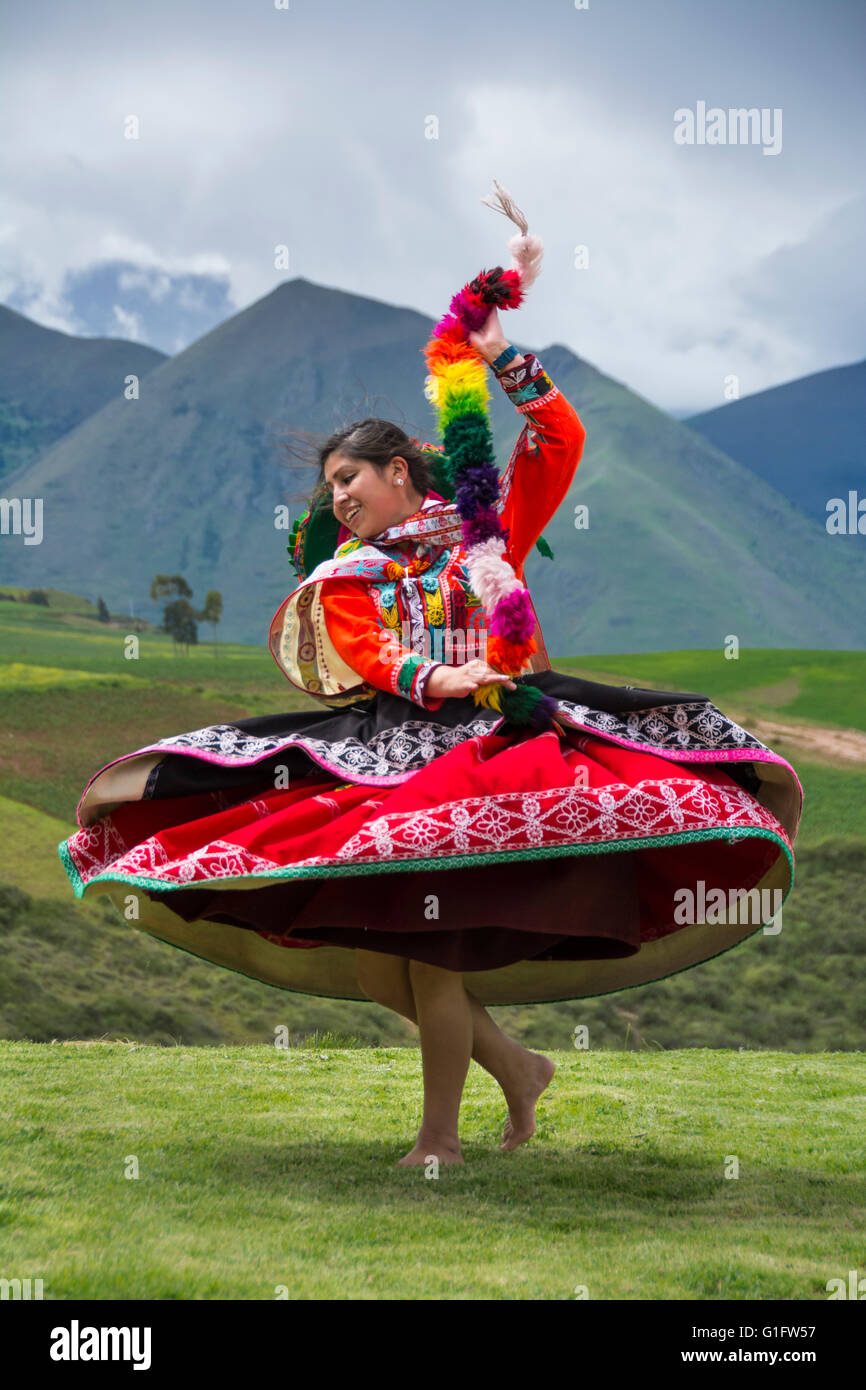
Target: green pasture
x: 58, y: 600
x: 71, y: 701
x: 824, y: 687
x: 136, y: 1172
x: 262, y: 1169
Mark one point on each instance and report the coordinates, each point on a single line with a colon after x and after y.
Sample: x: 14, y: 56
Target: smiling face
x: 366, y: 500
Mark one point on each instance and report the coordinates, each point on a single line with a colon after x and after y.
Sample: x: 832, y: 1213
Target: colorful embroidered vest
x: 435, y: 614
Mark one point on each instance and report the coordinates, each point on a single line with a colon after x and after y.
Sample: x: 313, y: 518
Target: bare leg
x: 445, y: 1021
x: 522, y: 1074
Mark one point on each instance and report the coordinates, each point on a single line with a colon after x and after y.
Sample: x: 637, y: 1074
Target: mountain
x: 804, y: 438
x: 50, y: 382
x: 684, y: 547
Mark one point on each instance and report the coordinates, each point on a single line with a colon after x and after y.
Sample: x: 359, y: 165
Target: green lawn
x: 823, y: 686
x: 70, y: 702
x: 260, y: 1168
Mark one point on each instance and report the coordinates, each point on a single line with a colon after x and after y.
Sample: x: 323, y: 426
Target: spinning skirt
x: 648, y: 835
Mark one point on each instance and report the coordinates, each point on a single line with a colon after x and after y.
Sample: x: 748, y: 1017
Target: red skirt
x: 650, y: 834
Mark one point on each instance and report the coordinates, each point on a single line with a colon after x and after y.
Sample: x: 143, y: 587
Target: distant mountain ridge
x: 685, y: 546
x: 51, y: 381
x: 805, y: 437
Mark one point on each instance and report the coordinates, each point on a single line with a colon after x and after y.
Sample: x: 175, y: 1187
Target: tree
x: 167, y: 584
x: 102, y: 611
x: 38, y: 596
x: 212, y: 611
x: 179, y: 617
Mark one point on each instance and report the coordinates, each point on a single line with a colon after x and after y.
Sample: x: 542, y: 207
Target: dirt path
x: 839, y: 747
x: 826, y: 745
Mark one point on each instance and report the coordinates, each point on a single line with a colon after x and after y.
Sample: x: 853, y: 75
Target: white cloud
x: 306, y: 128
x: 128, y: 325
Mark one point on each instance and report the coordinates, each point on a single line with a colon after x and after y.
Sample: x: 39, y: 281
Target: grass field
x: 824, y: 687
x: 75, y: 693
x: 206, y: 1171
x: 259, y: 1168
x: 70, y: 701
x: 821, y: 686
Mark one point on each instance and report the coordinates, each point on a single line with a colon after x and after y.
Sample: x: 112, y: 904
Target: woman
x: 403, y: 842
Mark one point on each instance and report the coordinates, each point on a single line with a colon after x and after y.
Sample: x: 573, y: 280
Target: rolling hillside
x: 684, y: 546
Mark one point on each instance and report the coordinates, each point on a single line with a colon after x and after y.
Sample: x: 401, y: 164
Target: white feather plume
x: 526, y: 250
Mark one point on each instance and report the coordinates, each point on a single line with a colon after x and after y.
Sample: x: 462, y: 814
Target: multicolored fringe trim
x: 457, y: 388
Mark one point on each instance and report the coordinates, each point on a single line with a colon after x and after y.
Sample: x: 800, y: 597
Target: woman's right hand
x: 455, y: 681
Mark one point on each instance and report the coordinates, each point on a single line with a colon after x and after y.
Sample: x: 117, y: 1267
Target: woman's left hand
x: 491, y: 340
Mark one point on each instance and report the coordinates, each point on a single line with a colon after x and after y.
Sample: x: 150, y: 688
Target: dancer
x: 455, y: 824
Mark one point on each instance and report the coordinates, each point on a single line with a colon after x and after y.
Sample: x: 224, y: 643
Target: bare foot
x: 423, y: 1152
x: 520, y: 1124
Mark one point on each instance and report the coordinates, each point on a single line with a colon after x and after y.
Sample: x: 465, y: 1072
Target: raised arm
x: 545, y: 458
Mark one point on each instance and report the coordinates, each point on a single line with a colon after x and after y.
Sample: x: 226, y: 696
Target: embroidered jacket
x: 353, y: 627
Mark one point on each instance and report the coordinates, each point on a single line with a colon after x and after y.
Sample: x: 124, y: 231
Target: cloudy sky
x: 362, y: 136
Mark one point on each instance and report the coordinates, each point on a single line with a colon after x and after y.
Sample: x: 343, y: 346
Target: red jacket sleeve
x: 546, y: 460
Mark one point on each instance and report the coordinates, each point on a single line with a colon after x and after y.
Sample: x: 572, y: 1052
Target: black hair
x: 375, y: 440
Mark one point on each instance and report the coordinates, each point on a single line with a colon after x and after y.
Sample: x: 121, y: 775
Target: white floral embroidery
x: 578, y: 815
x: 394, y: 751
x: 506, y: 821
x: 687, y: 724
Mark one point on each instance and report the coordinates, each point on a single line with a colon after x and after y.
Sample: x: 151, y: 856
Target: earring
x: 399, y: 482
